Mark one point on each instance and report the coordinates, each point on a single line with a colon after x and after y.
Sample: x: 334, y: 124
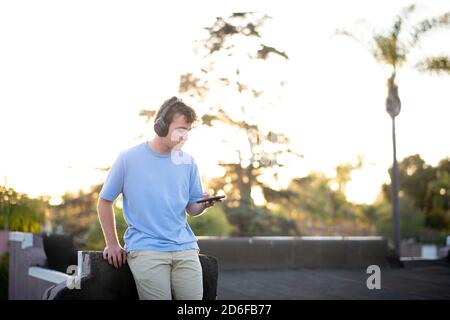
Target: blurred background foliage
x: 233, y: 48
x: 310, y: 205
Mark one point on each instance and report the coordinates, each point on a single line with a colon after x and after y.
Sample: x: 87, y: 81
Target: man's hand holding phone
x: 208, y: 200
x: 199, y: 206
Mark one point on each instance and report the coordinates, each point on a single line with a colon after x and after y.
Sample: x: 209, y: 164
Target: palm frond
x: 388, y: 50
x: 429, y: 24
x: 407, y: 11
x: 383, y: 46
x: 439, y: 64
x: 357, y: 38
x: 400, y: 20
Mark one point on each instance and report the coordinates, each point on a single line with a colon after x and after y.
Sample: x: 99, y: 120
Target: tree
x: 412, y: 219
x: 76, y: 212
x: 392, y: 47
x: 415, y: 176
x: 438, y: 193
x: 230, y: 56
x: 94, y: 239
x: 344, y: 171
x: 428, y: 187
x: 318, y: 209
x: 20, y: 213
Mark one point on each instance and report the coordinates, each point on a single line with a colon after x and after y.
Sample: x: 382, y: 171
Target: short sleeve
x: 195, y: 184
x: 113, y: 185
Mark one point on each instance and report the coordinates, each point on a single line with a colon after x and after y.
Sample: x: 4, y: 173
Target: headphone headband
x: 167, y: 108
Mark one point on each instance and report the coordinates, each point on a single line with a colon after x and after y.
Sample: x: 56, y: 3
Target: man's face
x: 178, y: 132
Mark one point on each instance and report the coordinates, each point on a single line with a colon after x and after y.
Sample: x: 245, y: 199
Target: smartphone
x: 210, y: 199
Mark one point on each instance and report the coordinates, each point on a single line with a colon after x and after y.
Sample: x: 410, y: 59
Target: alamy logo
x: 73, y: 280
x: 180, y: 157
x: 374, y: 280
x: 177, y: 155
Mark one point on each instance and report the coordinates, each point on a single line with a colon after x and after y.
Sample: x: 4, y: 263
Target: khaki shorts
x: 166, y: 275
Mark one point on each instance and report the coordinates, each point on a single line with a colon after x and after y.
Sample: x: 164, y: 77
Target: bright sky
x: 74, y: 75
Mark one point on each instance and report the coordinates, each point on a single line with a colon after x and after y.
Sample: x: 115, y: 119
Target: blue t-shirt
x: 156, y: 189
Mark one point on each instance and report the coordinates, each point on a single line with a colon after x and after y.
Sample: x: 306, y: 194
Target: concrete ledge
x: 48, y: 275
x: 266, y: 253
x: 90, y: 278
x: 101, y: 281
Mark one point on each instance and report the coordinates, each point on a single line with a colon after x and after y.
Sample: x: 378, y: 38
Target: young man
x: 160, y: 184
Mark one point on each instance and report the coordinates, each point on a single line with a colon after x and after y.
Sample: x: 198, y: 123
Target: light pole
x: 393, y: 106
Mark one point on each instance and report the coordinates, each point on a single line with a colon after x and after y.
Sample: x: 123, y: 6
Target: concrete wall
x: 26, y: 253
x: 30, y: 278
x: 294, y: 252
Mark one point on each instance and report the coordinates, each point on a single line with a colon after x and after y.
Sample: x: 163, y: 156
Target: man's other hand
x: 115, y: 255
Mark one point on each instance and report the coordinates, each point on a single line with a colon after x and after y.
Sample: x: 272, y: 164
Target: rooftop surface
x: 417, y: 280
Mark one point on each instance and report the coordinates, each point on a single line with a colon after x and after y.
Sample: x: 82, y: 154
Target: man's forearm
x: 195, y: 209
x: 108, y: 222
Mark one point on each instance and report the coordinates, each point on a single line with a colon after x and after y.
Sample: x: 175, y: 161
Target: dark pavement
x: 417, y: 280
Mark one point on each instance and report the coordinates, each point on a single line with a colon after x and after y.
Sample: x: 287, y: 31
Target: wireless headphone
x: 161, y: 127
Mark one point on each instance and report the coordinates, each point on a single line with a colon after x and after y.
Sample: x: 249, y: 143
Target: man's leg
x: 187, y: 280
x: 151, y: 272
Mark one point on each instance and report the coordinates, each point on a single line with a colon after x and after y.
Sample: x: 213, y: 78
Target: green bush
x: 20, y: 213
x: 94, y: 236
x: 412, y: 220
x: 212, y: 223
x: 249, y: 220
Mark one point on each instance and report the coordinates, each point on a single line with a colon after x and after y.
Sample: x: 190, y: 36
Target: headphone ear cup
x: 160, y: 128
x: 164, y: 130
x: 157, y: 127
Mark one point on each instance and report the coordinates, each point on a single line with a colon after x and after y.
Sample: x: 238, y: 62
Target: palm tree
x: 393, y: 47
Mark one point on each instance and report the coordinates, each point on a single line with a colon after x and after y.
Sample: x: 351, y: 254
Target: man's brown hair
x: 178, y: 107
